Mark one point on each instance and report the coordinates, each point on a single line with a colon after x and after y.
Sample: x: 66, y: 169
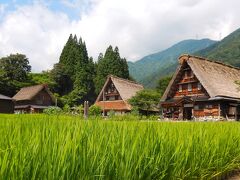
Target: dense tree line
x: 74, y: 79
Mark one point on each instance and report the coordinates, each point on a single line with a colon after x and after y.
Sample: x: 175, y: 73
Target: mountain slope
x: 150, y: 68
x: 226, y: 50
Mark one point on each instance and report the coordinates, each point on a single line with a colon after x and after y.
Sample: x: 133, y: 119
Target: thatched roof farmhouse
x: 33, y: 99
x: 201, y: 88
x: 115, y: 94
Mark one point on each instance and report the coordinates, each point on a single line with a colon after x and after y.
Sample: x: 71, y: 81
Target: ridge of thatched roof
x: 3, y: 97
x: 210, y: 60
x: 125, y: 87
x: 27, y: 93
x: 217, y: 78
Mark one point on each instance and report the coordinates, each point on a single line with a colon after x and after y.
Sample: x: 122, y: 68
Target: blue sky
x: 40, y: 28
x: 73, y: 8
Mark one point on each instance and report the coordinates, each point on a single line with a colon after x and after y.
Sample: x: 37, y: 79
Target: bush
x: 78, y: 110
x: 53, y: 110
x: 95, y: 110
x: 66, y: 109
x: 135, y: 111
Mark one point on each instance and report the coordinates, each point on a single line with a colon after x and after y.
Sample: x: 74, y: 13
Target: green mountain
x: 149, y: 69
x: 226, y: 50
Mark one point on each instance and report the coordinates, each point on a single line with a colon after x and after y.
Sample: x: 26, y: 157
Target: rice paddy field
x: 67, y: 147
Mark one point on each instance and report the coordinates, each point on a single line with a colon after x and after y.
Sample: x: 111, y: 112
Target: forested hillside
x: 149, y: 69
x: 227, y: 50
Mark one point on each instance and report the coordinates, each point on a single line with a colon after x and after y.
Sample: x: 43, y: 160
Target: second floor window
x: 189, y: 87
x: 180, y: 88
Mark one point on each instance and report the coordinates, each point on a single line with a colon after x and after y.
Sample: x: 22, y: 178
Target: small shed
x: 6, y: 104
x: 33, y: 99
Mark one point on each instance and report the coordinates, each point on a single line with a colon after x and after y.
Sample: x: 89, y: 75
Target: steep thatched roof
x: 217, y: 78
x: 126, y: 89
x: 5, y: 97
x: 28, y: 93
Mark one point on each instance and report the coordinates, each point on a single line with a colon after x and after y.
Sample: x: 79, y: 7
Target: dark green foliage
x: 14, y: 71
x: 74, y: 73
x: 162, y: 84
x: 145, y: 100
x: 149, y: 69
x: 110, y: 63
x: 227, y: 50
x: 68, y: 55
x: 63, y: 82
x: 15, y: 67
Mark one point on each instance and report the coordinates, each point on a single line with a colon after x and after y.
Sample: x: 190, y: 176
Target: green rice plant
x: 69, y: 147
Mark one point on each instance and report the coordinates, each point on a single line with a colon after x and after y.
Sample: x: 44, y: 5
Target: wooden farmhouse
x: 202, y: 89
x: 33, y: 99
x: 115, y: 94
x: 6, y: 104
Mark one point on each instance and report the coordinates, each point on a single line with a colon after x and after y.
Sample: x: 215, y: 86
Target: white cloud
x: 36, y: 32
x: 138, y: 27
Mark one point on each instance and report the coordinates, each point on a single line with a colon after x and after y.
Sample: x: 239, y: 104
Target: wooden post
x: 103, y: 103
x: 86, y: 107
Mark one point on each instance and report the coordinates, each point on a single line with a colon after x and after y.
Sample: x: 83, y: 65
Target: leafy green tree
x: 14, y: 71
x: 146, y: 100
x: 162, y: 84
x: 110, y: 63
x: 15, y: 67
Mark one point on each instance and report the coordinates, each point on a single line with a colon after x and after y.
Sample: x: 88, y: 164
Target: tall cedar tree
x: 110, y: 63
x: 74, y: 73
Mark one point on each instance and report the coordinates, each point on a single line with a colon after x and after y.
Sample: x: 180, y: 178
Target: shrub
x: 53, y: 110
x: 95, y: 110
x: 66, y: 109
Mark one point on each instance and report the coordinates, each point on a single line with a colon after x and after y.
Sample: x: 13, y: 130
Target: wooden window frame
x: 189, y: 87
x: 180, y: 88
